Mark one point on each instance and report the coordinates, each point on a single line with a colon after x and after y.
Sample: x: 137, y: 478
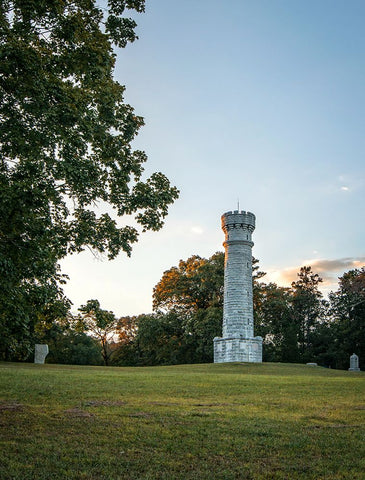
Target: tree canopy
x: 66, y: 138
x: 196, y: 283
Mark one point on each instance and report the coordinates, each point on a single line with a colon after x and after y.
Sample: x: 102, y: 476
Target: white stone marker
x: 354, y: 363
x: 238, y: 343
x: 40, y: 353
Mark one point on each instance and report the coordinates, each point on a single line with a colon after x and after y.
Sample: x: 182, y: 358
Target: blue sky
x: 261, y: 100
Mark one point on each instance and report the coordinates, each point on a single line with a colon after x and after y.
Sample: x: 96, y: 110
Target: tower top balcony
x: 238, y: 219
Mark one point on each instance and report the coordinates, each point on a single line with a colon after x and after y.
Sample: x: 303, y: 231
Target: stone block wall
x: 237, y: 350
x: 238, y: 299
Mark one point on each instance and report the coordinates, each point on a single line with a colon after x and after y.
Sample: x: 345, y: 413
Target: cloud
x: 348, y: 183
x: 329, y: 271
x: 197, y: 230
x: 340, y: 264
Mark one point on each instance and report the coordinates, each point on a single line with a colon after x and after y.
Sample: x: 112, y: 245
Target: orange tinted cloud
x: 328, y: 270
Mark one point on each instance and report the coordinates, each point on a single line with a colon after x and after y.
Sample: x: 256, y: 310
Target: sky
x: 256, y: 101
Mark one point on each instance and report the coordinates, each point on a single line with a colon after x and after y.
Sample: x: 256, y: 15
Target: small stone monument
x: 40, y: 353
x: 354, y: 363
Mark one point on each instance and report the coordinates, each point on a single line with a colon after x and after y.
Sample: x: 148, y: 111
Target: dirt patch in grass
x: 13, y: 406
x: 140, y: 414
x: 104, y: 403
x: 200, y: 414
x: 77, y: 412
x: 335, y: 426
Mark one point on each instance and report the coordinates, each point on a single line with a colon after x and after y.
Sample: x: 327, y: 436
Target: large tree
x: 196, y: 283
x: 65, y: 148
x: 193, y: 293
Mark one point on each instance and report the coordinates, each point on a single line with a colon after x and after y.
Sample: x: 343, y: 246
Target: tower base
x: 237, y: 349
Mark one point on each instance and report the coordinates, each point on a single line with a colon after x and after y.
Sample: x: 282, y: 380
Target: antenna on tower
x: 238, y: 204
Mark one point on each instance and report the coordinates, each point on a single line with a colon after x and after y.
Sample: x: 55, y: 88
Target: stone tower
x: 238, y: 343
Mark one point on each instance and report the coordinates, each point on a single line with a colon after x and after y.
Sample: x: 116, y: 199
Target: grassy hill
x: 232, y: 421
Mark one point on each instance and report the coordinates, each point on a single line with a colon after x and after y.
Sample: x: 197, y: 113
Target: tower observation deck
x: 238, y: 343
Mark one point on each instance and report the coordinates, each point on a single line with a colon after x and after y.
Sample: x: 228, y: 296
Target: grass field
x: 232, y: 421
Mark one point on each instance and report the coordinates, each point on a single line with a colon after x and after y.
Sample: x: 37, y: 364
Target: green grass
x: 232, y: 421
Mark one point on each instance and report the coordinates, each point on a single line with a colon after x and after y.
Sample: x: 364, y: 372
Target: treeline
x: 297, y: 324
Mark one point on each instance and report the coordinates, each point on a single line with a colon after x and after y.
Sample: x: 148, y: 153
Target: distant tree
x: 75, y: 348
x: 308, y: 309
x: 294, y: 321
x: 324, y: 344
x: 160, y: 339
x: 200, y: 328
x: 274, y: 321
x: 127, y: 329
x: 347, y: 307
x: 66, y: 344
x: 99, y: 323
x: 66, y: 138
x: 126, y: 351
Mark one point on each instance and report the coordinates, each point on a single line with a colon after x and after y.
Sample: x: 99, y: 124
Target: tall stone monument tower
x: 238, y: 343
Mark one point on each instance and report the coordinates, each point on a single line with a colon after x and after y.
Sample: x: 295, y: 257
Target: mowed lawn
x: 232, y: 421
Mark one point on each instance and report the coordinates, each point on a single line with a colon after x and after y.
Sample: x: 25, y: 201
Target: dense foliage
x: 68, y: 344
x: 188, y: 303
x: 196, y: 284
x: 347, y: 315
x: 65, y: 148
x: 296, y: 323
